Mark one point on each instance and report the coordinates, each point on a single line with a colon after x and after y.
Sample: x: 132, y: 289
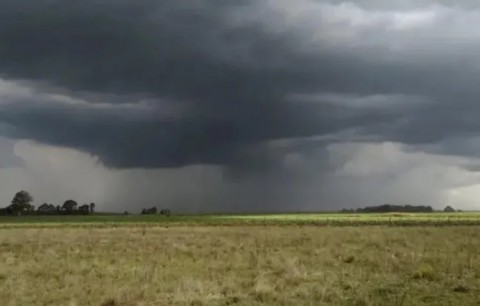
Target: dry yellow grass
x: 240, y: 266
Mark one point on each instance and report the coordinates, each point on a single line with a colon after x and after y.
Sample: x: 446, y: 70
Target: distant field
x: 390, y: 219
x: 240, y: 265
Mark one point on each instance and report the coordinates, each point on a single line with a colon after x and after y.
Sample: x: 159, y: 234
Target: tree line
x: 153, y: 210
x: 22, y: 205
x: 396, y: 208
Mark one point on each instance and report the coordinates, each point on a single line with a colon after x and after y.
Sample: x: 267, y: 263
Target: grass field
x: 240, y: 265
x: 389, y: 219
x: 283, y: 259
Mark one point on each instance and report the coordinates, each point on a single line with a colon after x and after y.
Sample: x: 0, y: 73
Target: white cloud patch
x: 428, y: 31
x: 378, y: 101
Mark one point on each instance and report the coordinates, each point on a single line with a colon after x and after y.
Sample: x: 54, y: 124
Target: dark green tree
x: 449, y: 209
x: 69, y: 206
x: 21, y: 202
x: 92, y: 207
x: 165, y: 212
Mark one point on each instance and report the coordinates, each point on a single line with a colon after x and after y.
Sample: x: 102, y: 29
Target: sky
x: 240, y: 105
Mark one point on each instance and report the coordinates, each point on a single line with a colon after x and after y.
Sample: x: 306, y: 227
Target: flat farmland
x: 320, y: 219
x: 240, y: 265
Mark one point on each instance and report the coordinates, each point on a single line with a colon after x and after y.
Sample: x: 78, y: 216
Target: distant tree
x: 165, y: 212
x: 449, y: 209
x: 125, y: 212
x: 46, y: 209
x: 69, y: 205
x: 92, y: 207
x: 44, y: 206
x: 149, y: 211
x: 21, y: 202
x: 386, y: 208
x: 85, y: 209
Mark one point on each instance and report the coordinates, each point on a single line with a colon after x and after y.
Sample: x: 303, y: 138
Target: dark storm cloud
x: 239, y: 74
x: 145, y: 138
x: 165, y: 49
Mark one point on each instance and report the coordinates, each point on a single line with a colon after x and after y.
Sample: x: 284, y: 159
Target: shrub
x: 425, y: 272
x: 349, y: 259
x: 461, y: 289
x: 449, y: 209
x: 110, y: 302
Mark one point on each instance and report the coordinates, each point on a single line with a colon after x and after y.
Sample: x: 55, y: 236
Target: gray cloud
x: 8, y: 158
x: 249, y: 85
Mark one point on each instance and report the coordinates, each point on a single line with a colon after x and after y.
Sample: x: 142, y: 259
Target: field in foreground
x: 240, y: 265
x: 336, y: 219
